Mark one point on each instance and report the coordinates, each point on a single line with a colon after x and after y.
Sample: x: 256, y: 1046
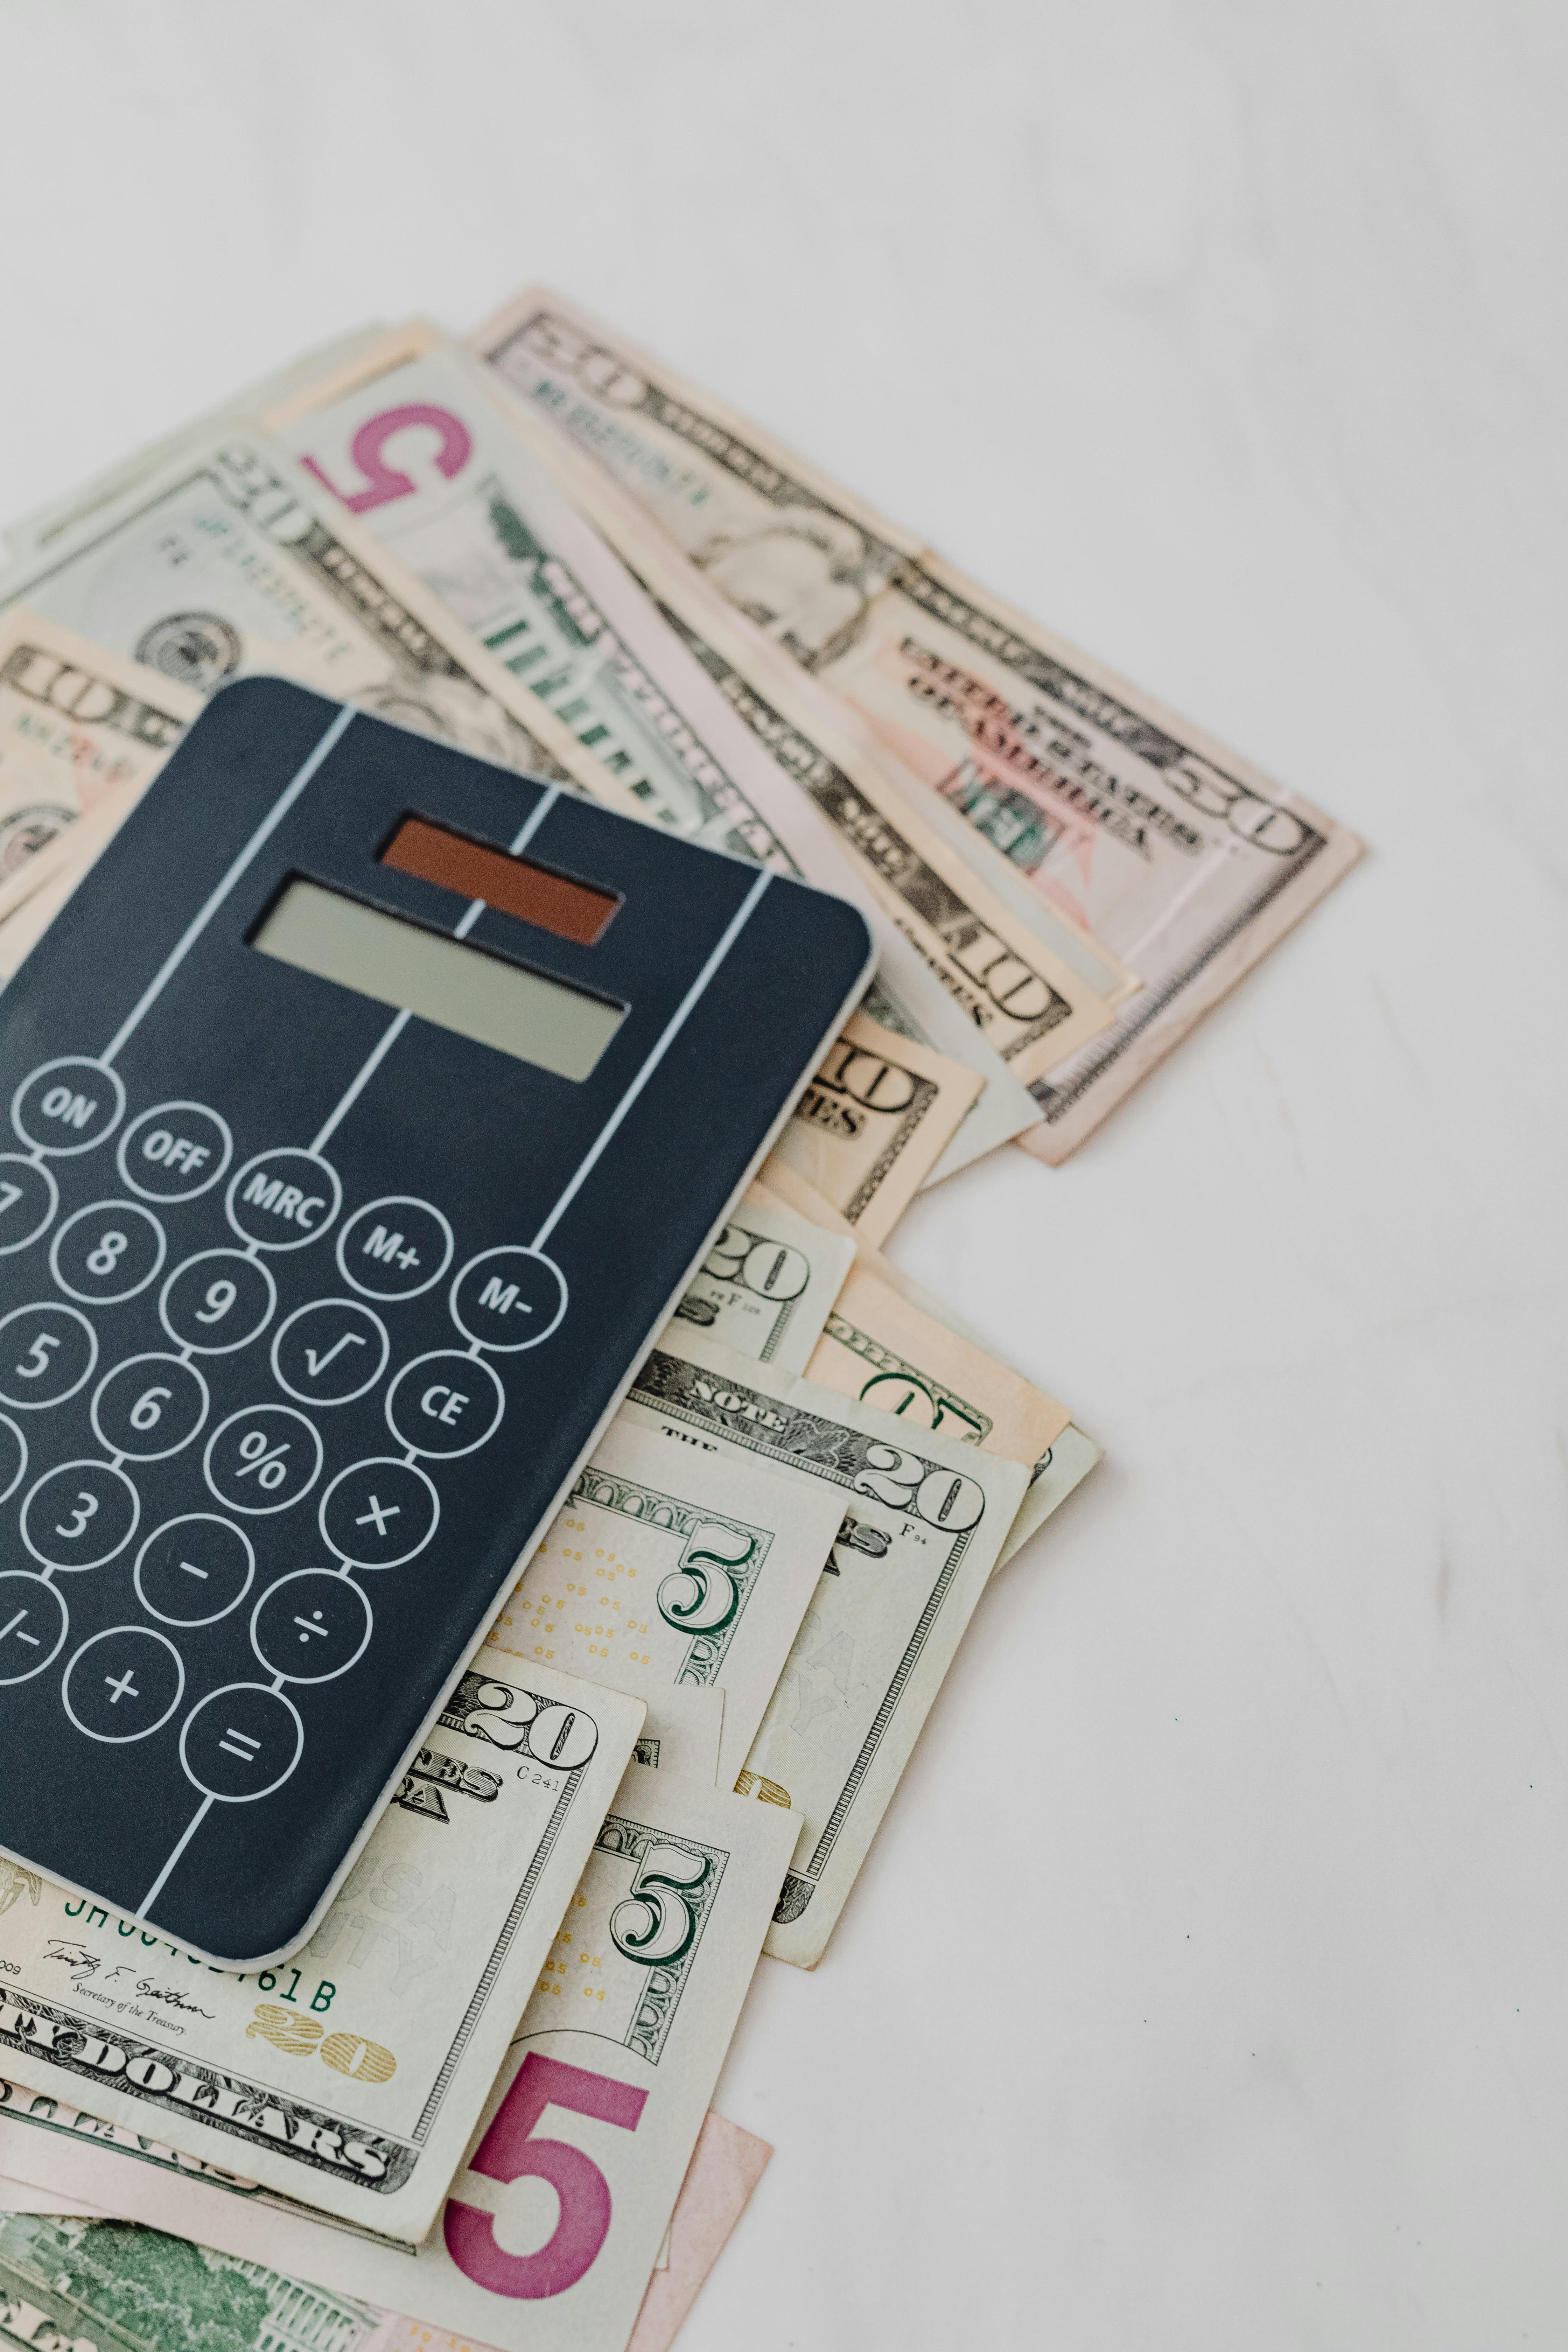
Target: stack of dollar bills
x: 473, y: 2109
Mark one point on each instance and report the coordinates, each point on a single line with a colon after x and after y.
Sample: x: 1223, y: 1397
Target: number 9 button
x: 219, y: 1300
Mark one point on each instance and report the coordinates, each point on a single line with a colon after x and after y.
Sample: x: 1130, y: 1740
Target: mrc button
x: 509, y: 1298
x: 68, y: 1105
x: 175, y: 1151
x: 395, y: 1248
x: 283, y: 1199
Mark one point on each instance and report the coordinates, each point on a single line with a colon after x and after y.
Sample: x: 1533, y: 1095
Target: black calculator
x: 370, y: 1108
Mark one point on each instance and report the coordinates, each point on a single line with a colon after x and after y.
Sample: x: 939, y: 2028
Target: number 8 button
x: 107, y: 1252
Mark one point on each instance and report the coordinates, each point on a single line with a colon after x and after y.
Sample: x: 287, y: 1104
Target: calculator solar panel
x: 369, y: 1106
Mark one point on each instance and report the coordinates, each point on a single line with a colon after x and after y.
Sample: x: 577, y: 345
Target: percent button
x: 262, y: 1458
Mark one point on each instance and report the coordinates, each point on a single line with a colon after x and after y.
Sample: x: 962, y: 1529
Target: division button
x: 217, y: 1301
x: 380, y: 1513
x: 444, y: 1404
x: 195, y: 1570
x: 80, y: 1515
x: 68, y: 1105
x: 241, y: 1742
x: 283, y: 1199
x: 509, y: 1298
x: 330, y: 1351
x: 123, y: 1684
x: 262, y: 1458
x: 395, y: 1248
x: 12, y: 1456
x: 311, y: 1626
x: 175, y: 1151
x: 29, y: 1198
x: 46, y: 1351
x: 33, y: 1622
x: 149, y: 1407
x: 107, y: 1252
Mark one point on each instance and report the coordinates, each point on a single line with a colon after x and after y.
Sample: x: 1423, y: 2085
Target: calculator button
x: 46, y: 1351
x: 12, y: 1456
x: 311, y: 1626
x: 330, y: 1351
x: 283, y: 1199
x: 107, y: 1252
x: 68, y: 1105
x: 395, y: 1248
x: 444, y: 1404
x: 29, y: 1198
x: 175, y: 1151
x: 33, y: 1622
x: 80, y: 1515
x: 262, y: 1458
x: 193, y: 1571
x: 378, y: 1514
x: 241, y: 1742
x: 509, y: 1298
x: 149, y: 1406
x: 217, y: 1301
x: 123, y: 1684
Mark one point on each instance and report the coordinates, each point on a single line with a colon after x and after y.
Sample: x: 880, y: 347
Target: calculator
x: 369, y: 1109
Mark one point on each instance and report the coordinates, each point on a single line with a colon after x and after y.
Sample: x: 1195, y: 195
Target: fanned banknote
x: 350, y: 2076
x: 1168, y: 849
x: 767, y: 1286
x: 418, y: 440
x: 923, y: 1523
x: 873, y: 1122
x: 665, y: 1573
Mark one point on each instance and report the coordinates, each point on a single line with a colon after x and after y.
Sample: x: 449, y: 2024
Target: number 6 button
x: 149, y: 1406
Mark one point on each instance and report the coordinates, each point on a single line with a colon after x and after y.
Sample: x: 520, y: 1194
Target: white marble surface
x: 1207, y: 1988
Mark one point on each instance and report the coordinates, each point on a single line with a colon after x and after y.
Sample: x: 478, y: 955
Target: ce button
x: 444, y: 1404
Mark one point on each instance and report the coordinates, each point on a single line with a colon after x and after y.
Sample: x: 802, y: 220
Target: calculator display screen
x: 439, y: 979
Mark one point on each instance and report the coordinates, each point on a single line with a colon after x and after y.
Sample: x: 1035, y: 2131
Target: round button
x: 175, y: 1151
x: 311, y: 1626
x: 12, y: 1456
x: 262, y: 1458
x: 395, y: 1248
x: 33, y: 1622
x: 80, y: 1515
x: 509, y: 1298
x: 377, y: 1514
x: 149, y: 1406
x: 29, y: 1198
x: 217, y: 1301
x: 68, y: 1105
x: 444, y: 1404
x: 46, y: 1351
x: 123, y: 1684
x: 107, y: 1252
x: 241, y: 1742
x: 195, y: 1570
x: 330, y: 1351
x: 283, y: 1199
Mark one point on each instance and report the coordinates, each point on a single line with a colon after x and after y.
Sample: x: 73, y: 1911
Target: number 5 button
x: 444, y: 1404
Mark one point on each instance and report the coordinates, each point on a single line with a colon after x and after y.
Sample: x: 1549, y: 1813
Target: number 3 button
x: 444, y: 1404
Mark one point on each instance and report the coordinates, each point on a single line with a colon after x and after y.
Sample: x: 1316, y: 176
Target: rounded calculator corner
x: 841, y: 915
x: 260, y: 700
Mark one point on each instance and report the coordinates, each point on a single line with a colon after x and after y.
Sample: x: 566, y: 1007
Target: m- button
x: 509, y: 1298
x: 395, y: 1248
x: 283, y: 1199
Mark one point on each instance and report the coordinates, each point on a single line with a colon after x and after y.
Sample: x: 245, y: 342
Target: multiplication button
x: 380, y: 1513
x: 195, y: 1570
x: 395, y: 1248
x: 262, y: 1458
x: 33, y: 1622
x: 331, y: 1352
x: 509, y: 1298
x: 46, y: 1351
x: 444, y: 1404
x: 149, y: 1406
x: 175, y: 1151
x: 107, y: 1252
x: 79, y: 1514
x: 217, y: 1301
x: 68, y: 1106
x: 241, y: 1742
x: 123, y: 1685
x: 311, y: 1626
x: 283, y: 1199
x: 29, y: 1198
